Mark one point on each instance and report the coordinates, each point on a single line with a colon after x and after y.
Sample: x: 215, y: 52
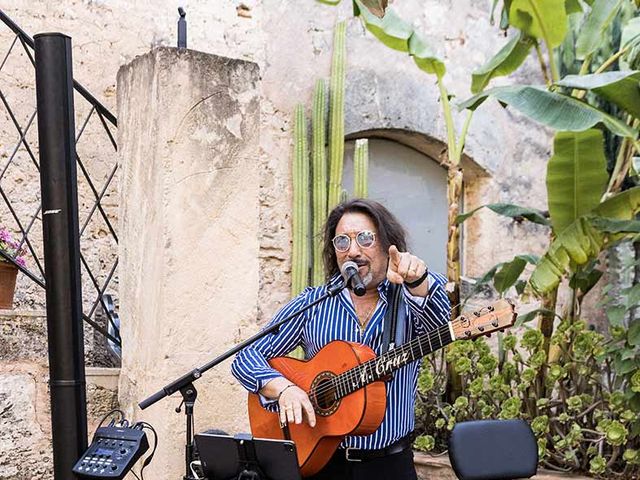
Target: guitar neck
x: 382, y: 366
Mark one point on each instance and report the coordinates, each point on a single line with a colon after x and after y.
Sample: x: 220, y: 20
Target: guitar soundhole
x: 323, y: 394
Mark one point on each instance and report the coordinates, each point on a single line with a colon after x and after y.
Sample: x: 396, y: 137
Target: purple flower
x: 12, y: 247
x: 5, y: 236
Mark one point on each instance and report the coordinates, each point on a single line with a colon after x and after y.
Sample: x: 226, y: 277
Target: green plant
x: 361, y: 169
x: 319, y: 171
x: 317, y: 187
x: 585, y: 421
x: 300, y: 220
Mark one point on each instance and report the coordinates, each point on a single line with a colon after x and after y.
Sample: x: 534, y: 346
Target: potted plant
x: 8, y: 271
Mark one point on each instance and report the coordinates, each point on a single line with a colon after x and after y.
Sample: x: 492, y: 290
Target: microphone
x: 352, y: 278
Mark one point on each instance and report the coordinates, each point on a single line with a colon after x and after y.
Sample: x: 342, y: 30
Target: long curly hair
x: 389, y: 230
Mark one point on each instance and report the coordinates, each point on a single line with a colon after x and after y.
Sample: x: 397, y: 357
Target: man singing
x: 364, y: 232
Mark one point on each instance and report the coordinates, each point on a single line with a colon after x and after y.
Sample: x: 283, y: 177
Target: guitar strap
x: 394, y: 320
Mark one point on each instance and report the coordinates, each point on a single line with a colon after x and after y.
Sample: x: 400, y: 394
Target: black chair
x: 493, y: 450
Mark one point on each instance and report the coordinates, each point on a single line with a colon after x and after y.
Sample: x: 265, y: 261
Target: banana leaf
x: 572, y: 6
x: 391, y: 30
x: 510, y: 272
x: 552, y: 109
x: 541, y: 19
x: 621, y: 88
x: 616, y: 226
x: 377, y: 7
x: 424, y: 57
x: 576, y: 176
x: 598, y: 21
x: 527, y: 317
x: 504, y: 274
x: 630, y: 39
x: 585, y: 280
x: 583, y: 240
x: 509, y: 210
x: 397, y: 34
x: 507, y: 60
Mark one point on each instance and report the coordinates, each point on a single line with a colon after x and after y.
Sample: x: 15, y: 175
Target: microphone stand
x: 184, y: 384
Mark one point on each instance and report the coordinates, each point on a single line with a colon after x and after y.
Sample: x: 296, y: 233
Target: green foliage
x: 301, y: 225
x: 325, y: 178
x: 397, y: 34
x: 516, y: 212
x: 579, y: 406
x: 619, y: 88
x: 630, y: 42
x: 505, y: 275
x: 584, y: 239
x: 336, y: 133
x: 361, y: 169
x: 506, y: 61
x: 555, y: 110
x: 576, y: 176
x: 598, y: 21
x: 319, y: 180
x: 541, y: 19
x: 424, y: 443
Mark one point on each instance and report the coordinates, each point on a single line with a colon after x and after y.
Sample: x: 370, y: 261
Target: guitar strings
x: 345, y: 379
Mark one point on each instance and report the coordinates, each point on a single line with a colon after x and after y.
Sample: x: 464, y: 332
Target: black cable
x: 147, y: 460
x: 107, y: 415
x: 134, y: 474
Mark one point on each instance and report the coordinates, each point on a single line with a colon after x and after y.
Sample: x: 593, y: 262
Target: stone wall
x: 25, y: 424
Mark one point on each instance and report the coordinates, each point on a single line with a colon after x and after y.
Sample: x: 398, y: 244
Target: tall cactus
x: 301, y: 241
x: 327, y: 192
x: 336, y: 147
x: 319, y: 174
x: 361, y: 168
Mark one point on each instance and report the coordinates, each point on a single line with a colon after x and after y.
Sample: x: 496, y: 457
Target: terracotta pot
x: 8, y: 275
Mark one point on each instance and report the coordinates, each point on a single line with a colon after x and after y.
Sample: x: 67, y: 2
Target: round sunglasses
x: 364, y: 239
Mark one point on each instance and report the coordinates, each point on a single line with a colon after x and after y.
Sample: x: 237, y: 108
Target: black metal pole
x: 56, y: 131
x: 182, y: 28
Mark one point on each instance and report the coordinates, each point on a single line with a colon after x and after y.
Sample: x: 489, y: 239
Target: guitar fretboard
x: 382, y: 366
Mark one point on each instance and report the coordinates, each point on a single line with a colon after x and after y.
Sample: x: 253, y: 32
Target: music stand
x: 246, y: 458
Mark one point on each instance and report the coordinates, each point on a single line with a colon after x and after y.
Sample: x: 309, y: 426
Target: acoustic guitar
x: 345, y: 383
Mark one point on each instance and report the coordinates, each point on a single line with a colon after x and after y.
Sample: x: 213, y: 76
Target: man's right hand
x: 293, y: 402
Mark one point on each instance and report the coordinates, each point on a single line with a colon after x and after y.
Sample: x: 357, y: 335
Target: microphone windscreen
x: 348, y: 269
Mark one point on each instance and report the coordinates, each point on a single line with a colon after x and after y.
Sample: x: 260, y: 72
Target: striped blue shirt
x: 336, y: 319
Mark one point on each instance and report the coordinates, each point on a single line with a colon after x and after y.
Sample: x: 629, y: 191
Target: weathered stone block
x: 189, y: 253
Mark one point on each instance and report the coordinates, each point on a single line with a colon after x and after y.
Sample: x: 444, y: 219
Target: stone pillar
x: 188, y: 240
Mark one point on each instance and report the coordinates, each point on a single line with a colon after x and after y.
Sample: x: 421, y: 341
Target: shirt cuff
x: 268, y: 403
